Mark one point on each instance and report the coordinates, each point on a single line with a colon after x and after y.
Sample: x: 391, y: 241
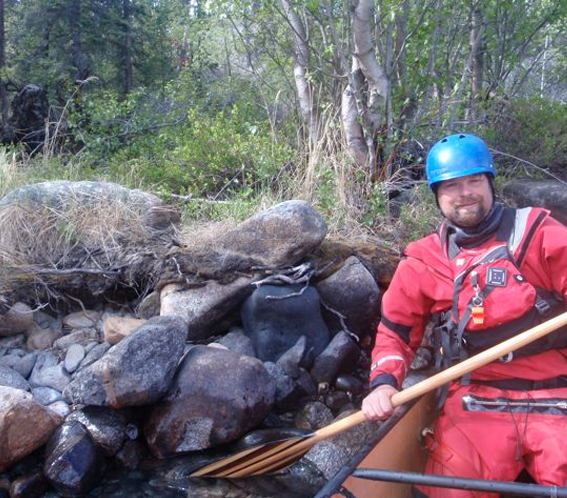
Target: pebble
x: 74, y: 356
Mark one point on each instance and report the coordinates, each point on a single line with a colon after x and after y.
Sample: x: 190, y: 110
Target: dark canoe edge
x: 334, y: 485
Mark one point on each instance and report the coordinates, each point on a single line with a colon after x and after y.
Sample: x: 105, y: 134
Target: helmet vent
x: 462, y: 136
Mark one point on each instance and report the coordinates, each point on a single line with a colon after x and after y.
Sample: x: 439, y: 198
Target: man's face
x: 465, y: 201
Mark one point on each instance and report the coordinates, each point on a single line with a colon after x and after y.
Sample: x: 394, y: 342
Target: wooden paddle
x: 278, y: 455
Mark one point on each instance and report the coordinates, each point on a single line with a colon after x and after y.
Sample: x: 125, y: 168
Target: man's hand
x: 378, y: 404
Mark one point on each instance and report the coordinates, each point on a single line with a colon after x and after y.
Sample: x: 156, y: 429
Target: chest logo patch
x: 497, y: 277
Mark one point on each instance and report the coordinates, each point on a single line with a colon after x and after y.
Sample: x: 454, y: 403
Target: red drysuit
x: 482, y: 431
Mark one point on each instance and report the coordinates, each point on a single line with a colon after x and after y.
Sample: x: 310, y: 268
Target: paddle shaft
x: 451, y: 373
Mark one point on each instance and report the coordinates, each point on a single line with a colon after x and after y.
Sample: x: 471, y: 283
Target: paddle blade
x: 253, y: 461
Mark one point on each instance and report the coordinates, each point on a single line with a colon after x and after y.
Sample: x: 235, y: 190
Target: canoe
x: 396, y: 453
x: 397, y: 445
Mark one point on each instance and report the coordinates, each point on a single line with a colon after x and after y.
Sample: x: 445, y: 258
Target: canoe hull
x: 399, y: 447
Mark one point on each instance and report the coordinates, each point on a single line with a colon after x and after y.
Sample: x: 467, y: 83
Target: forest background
x: 227, y: 106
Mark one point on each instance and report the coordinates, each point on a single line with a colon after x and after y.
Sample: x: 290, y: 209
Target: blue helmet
x: 458, y: 155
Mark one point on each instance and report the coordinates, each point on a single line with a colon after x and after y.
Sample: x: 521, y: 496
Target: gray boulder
x: 10, y: 378
x: 137, y: 371
x: 353, y: 293
x: 216, y: 397
x: 276, y: 317
x: 203, y: 308
x: 73, y: 464
x: 549, y: 194
x: 281, y: 235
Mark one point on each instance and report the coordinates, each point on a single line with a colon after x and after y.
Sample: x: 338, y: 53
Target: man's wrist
x: 382, y: 379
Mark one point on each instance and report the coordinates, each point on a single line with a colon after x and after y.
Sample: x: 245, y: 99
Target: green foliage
x: 533, y: 130
x: 420, y: 217
x: 187, y: 151
x: 377, y: 205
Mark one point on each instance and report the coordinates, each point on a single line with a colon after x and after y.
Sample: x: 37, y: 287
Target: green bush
x: 532, y: 130
x: 174, y: 146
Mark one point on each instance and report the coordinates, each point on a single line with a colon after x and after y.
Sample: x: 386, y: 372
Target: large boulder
x: 137, y: 371
x: 68, y: 197
x: 204, y: 308
x: 276, y: 317
x: 549, y: 194
x: 281, y: 235
x: 216, y: 397
x: 352, y: 298
x: 73, y: 464
x: 24, y: 425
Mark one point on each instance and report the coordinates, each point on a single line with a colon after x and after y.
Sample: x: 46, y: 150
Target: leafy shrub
x: 179, y: 148
x: 533, y: 130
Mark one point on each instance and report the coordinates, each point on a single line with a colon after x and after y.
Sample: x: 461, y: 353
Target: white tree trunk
x: 378, y: 84
x: 307, y: 104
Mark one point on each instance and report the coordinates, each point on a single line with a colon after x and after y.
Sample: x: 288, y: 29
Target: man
x: 489, y: 273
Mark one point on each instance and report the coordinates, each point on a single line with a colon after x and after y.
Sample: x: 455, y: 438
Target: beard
x: 467, y: 216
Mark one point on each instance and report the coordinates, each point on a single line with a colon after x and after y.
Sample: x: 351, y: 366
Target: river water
x: 170, y: 479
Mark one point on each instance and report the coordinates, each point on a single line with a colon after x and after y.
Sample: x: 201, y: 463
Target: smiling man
x: 488, y: 273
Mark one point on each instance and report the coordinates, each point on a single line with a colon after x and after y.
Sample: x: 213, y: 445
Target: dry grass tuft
x: 35, y: 234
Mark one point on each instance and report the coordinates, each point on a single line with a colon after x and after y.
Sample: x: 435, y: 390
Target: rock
x: 56, y: 377
x: 313, y: 416
x: 116, y: 328
x: 137, y: 371
x: 73, y: 357
x: 45, y: 360
x: 16, y: 320
x: 150, y: 305
x: 353, y: 293
x: 107, y: 427
x: 41, y: 339
x: 549, y: 194
x: 335, y: 400
x: 25, y: 364
x: 80, y: 336
x: 348, y: 384
x: 238, y: 342
x: 290, y: 390
x: 203, y: 308
x: 94, y: 354
x: 281, y: 235
x: 24, y: 425
x: 30, y: 485
x: 131, y: 454
x: 14, y: 341
x: 81, y: 320
x: 46, y: 395
x: 287, y: 391
x: 217, y: 396
x: 10, y: 378
x: 331, y: 454
x: 275, y: 317
x: 60, y: 407
x: 73, y: 464
x: 295, y: 358
x: 265, y: 436
x: 62, y: 195
x: 341, y: 354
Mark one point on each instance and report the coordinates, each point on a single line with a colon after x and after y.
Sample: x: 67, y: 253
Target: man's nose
x: 465, y: 189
